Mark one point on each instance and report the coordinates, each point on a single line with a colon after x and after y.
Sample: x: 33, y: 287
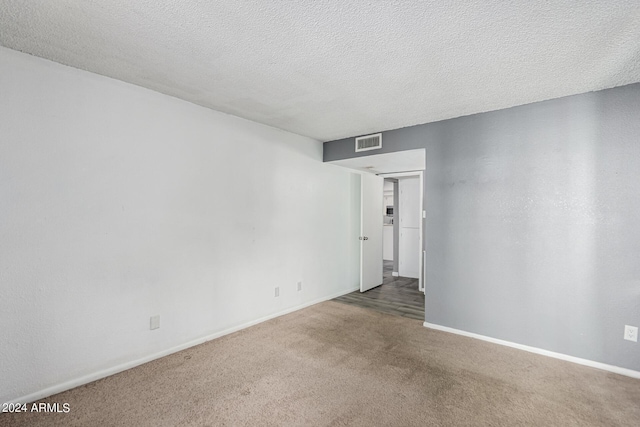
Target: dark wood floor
x: 396, y: 295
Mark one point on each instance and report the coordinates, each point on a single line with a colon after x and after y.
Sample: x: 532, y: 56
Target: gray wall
x: 533, y: 222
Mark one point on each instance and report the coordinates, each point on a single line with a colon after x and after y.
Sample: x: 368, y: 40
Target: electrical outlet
x: 154, y: 322
x: 299, y: 286
x: 631, y: 333
x: 277, y: 293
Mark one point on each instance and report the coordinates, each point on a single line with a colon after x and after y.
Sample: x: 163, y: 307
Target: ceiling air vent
x: 369, y: 142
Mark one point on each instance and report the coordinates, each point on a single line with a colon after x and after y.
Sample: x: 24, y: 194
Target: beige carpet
x: 335, y: 364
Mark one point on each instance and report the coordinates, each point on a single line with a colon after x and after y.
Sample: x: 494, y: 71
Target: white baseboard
x: 68, y: 385
x: 395, y: 274
x: 586, y: 362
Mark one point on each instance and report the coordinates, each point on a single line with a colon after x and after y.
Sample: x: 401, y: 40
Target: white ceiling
x: 398, y: 161
x: 337, y: 68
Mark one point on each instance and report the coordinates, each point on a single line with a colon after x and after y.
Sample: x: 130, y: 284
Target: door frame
x: 422, y: 252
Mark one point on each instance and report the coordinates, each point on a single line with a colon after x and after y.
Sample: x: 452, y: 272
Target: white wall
x: 111, y: 211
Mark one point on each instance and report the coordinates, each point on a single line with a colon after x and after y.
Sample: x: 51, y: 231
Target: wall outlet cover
x: 277, y: 292
x: 154, y: 322
x: 299, y: 286
x: 631, y: 333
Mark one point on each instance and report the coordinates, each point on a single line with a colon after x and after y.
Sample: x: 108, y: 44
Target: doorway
x: 408, y: 218
x: 395, y: 285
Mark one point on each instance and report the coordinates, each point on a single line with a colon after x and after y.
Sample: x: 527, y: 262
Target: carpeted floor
x: 334, y: 364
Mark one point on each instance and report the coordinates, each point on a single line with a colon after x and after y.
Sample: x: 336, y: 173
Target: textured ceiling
x: 336, y: 68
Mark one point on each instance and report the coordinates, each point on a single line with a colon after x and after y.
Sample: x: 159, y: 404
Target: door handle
x: 366, y: 238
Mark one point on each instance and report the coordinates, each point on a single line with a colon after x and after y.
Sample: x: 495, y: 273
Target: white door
x: 410, y: 217
x: 371, y: 232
